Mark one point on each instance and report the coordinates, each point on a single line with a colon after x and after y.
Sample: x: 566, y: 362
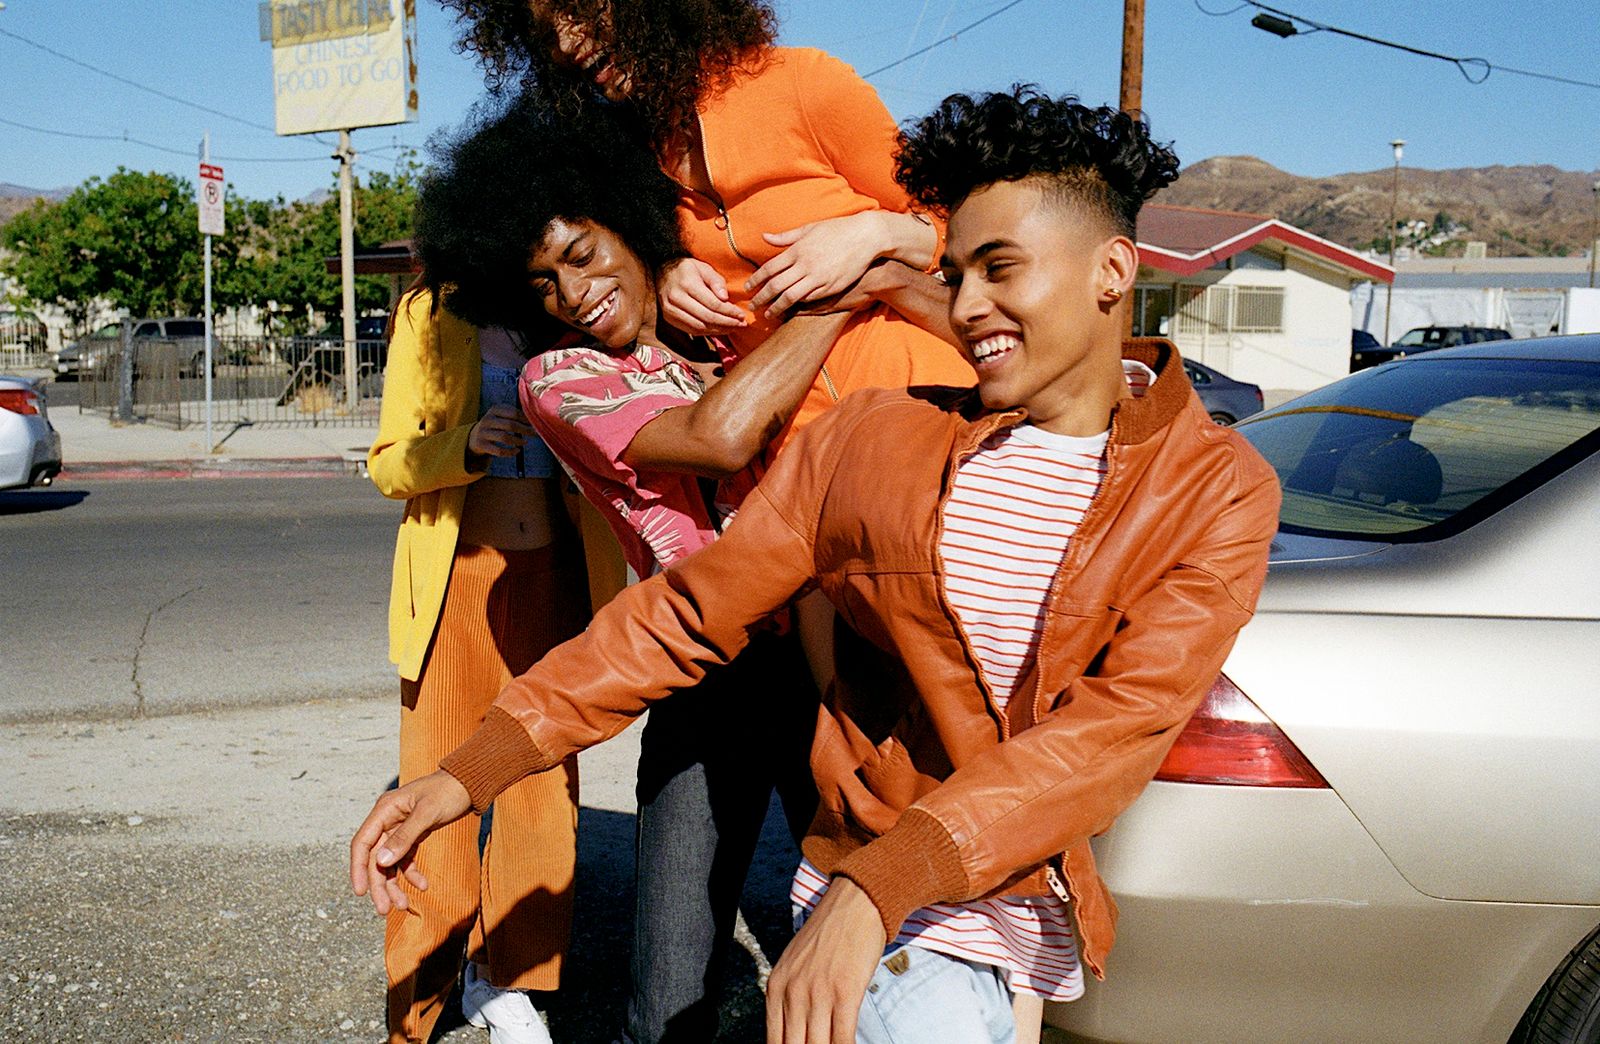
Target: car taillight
x: 1230, y: 742
x: 19, y: 400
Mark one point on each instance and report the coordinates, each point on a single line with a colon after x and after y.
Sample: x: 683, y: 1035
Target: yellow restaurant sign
x: 341, y: 64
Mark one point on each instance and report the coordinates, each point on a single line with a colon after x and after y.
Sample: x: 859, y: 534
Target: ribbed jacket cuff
x: 496, y: 756
x: 911, y: 866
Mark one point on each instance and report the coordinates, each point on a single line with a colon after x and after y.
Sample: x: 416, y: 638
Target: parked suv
x: 1425, y: 339
x: 89, y: 355
x: 187, y: 332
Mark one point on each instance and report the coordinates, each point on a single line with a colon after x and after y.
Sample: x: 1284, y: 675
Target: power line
x: 160, y: 148
x: 139, y: 86
x: 942, y: 40
x: 1474, y: 70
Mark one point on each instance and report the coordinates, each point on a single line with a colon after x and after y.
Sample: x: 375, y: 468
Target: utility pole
x: 1594, y: 231
x: 1399, y: 146
x: 1131, y: 100
x: 347, y: 265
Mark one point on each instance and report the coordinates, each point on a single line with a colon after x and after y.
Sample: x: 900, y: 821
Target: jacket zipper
x: 724, y: 222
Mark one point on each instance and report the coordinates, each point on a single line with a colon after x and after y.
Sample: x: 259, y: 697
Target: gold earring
x: 1113, y: 295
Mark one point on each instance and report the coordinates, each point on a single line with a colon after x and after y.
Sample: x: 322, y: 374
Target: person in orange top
x: 784, y: 159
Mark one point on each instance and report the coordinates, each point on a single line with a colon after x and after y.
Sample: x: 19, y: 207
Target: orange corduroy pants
x: 511, y: 909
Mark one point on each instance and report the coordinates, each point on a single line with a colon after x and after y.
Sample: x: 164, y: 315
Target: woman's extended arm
x: 726, y: 428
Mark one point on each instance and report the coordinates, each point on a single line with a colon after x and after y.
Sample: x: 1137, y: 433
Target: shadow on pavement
x: 590, y: 1005
x: 32, y: 501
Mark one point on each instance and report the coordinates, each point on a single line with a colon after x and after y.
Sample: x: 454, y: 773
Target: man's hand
x: 382, y: 847
x: 816, y: 990
x: 694, y: 298
x: 820, y: 259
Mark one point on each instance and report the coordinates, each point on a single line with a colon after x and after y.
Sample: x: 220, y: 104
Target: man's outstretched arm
x: 654, y: 638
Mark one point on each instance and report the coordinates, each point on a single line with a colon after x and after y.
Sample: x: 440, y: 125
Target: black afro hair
x: 498, y: 183
x: 1101, y: 158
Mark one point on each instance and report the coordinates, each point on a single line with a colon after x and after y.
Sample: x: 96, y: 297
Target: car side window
x: 147, y: 330
x: 1196, y: 377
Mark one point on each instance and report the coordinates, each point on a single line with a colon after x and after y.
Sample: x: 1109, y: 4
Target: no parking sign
x: 211, y: 193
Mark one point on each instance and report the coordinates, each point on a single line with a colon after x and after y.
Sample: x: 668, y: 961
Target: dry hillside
x: 1518, y: 211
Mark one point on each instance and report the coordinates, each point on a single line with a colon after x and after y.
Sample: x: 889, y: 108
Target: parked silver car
x: 30, y: 449
x: 1384, y: 823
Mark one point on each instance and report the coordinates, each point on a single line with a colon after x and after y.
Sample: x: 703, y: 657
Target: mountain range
x: 1527, y: 211
x: 1531, y: 211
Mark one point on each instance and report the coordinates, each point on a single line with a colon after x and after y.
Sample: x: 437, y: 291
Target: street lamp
x: 1399, y: 147
x: 1594, y: 227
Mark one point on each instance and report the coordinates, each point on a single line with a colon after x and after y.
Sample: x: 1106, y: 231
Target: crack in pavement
x: 144, y: 633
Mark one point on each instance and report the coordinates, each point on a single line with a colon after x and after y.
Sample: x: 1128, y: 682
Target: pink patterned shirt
x: 588, y: 403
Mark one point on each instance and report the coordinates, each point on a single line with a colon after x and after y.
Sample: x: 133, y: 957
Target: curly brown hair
x: 671, y: 51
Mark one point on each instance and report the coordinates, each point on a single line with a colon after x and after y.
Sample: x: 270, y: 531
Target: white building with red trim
x: 1249, y: 295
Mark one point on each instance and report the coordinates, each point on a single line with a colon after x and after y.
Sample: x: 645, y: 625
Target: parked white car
x: 30, y: 449
x: 1384, y: 823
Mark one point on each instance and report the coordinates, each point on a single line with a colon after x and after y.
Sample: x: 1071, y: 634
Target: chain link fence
x: 259, y: 381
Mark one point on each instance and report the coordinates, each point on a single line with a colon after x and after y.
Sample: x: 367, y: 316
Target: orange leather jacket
x: 928, y: 792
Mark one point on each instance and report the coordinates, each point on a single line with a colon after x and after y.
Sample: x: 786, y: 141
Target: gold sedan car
x: 1384, y: 823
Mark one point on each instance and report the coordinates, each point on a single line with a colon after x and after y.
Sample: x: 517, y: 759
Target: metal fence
x: 22, y: 357
x: 260, y: 381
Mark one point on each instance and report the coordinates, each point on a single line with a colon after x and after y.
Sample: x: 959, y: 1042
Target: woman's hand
x: 499, y: 433
x: 383, y: 847
x: 820, y: 259
x: 694, y: 298
x: 880, y: 278
x: 825, y: 257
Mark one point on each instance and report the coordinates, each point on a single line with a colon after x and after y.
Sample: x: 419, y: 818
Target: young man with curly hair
x: 1037, y: 583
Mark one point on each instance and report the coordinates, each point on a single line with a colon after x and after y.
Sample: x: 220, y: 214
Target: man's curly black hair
x: 670, y: 50
x: 1100, y: 158
x: 496, y: 185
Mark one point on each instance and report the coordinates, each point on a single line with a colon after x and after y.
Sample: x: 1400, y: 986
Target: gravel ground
x: 183, y: 879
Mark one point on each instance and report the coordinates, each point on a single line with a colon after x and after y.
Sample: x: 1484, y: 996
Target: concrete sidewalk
x: 93, y: 446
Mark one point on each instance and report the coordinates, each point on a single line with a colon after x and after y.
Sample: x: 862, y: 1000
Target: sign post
x: 347, y: 268
x: 213, y: 192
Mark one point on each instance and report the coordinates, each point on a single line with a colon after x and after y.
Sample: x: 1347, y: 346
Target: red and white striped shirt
x: 1013, y: 507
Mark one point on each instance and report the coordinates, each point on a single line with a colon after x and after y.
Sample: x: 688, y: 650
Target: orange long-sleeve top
x: 794, y: 137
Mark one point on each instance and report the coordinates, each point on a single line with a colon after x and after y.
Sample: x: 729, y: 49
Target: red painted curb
x: 301, y: 467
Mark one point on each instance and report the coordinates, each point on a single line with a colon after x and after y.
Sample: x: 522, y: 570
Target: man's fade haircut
x: 1099, y: 158
x: 497, y: 183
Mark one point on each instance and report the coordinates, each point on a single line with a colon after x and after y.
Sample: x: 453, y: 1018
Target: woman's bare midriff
x: 511, y: 514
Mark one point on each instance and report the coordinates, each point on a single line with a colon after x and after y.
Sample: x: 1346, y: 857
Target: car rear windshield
x: 1419, y: 449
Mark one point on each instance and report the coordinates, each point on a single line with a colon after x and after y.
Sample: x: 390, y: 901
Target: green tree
x: 291, y: 247
x: 128, y: 240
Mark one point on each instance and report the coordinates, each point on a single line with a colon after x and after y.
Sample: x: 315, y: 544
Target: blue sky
x: 1317, y: 104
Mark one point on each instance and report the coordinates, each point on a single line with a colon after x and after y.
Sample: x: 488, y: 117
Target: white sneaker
x: 508, y: 1015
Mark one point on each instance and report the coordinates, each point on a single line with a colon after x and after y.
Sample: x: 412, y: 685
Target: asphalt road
x: 196, y: 709
x: 153, y: 597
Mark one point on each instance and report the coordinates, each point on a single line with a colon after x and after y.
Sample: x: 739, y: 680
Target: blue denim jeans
x: 917, y: 996
x: 709, y: 760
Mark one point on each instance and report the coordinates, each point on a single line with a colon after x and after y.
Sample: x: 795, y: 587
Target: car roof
x: 1570, y: 348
